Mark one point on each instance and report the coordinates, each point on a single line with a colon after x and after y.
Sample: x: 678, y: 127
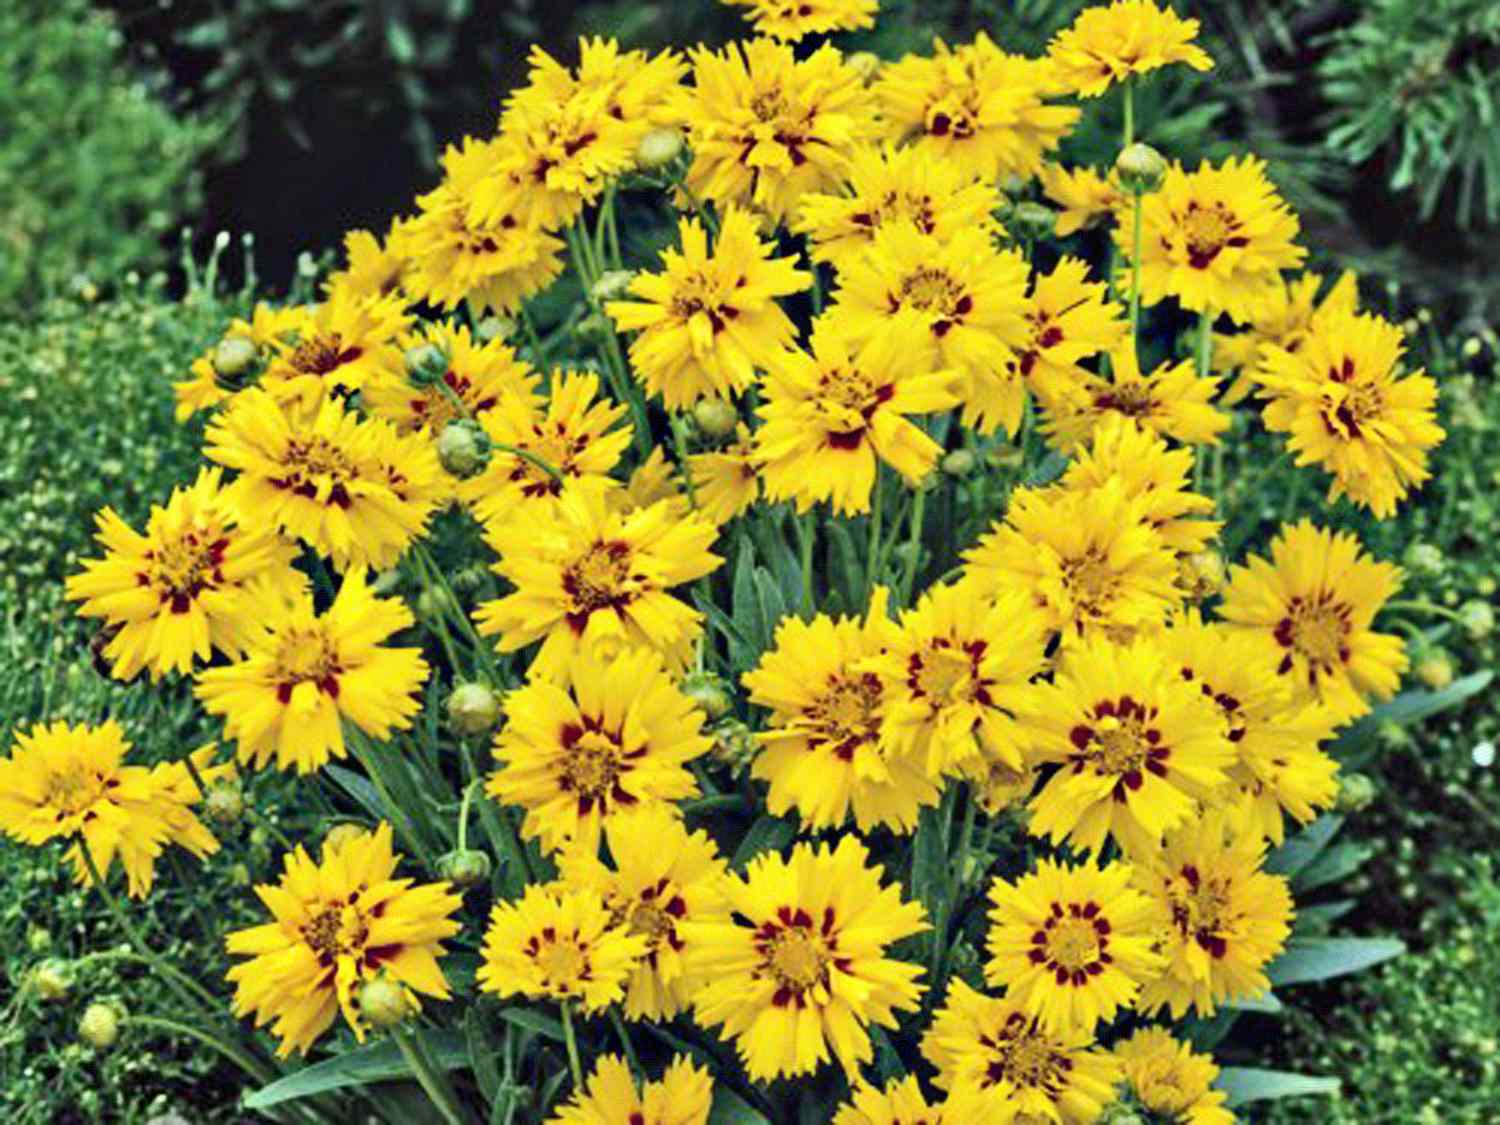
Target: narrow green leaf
x: 1249, y: 1084
x: 731, y: 1109
x: 773, y: 606
x: 482, y: 1052
x: 1315, y: 959
x: 534, y: 1021
x: 1359, y: 743
x: 1335, y: 864
x: 1301, y: 849
x: 375, y: 1062
x: 768, y: 833
x: 929, y: 860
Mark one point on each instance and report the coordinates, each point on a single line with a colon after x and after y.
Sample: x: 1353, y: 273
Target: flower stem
x: 679, y: 442
x: 624, y: 1033
x: 914, y: 545
x: 1127, y: 90
x: 463, y: 814
x: 574, y: 1066
x: 1135, y: 270
x: 806, y: 533
x: 422, y: 1070
x: 872, y: 556
x: 249, y: 1064
x: 1414, y: 605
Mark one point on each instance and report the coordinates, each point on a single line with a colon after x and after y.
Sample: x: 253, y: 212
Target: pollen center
x: 945, y: 675
x: 1120, y: 741
x: 1207, y: 231
x: 1025, y: 1059
x: 935, y: 291
x: 848, y: 714
x: 1073, y: 943
x: 322, y: 354
x: 1317, y: 630
x: 592, y: 765
x: 599, y: 579
x: 562, y: 961
x: 306, y: 656
x: 1200, y: 909
x: 335, y: 931
x: 182, y: 568
x: 72, y: 792
x: 317, y: 470
x: 1091, y: 582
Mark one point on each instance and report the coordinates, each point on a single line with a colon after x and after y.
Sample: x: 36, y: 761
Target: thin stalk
x: 538, y: 349
x: 574, y: 1066
x: 679, y: 443
x: 422, y: 1070
x: 624, y: 1034
x: 1135, y: 270
x: 463, y: 814
x: 1415, y: 605
x: 872, y: 555
x: 914, y: 545
x: 1127, y: 89
x: 246, y: 1062
x: 806, y: 533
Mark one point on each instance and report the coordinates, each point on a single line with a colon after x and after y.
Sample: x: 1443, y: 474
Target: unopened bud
x: 611, y: 284
x: 473, y: 709
x: 960, y: 463
x: 39, y: 939
x: 433, y: 603
x: 1140, y: 168
x: 1005, y: 456
x: 1392, y: 735
x: 100, y: 1025
x: 469, y: 579
x: 1031, y: 221
x: 341, y: 835
x: 494, y: 328
x: 1425, y: 559
x: 1120, y: 1114
x: 659, y: 148
x: 734, y: 745
x: 709, y: 692
x: 1434, y: 668
x: 384, y: 1002
x: 463, y: 448
x: 467, y: 868
x: 51, y: 980
x: 866, y: 64
x: 1202, y: 574
x: 1356, y: 792
x: 224, y: 803
x: 594, y: 328
x: 1477, y: 618
x: 233, y: 358
x: 426, y: 364
x: 715, y: 417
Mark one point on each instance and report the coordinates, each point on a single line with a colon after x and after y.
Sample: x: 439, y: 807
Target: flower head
x: 683, y: 1096
x: 900, y: 1102
x: 371, y: 270
x: 342, y: 344
x: 478, y: 375
x: 1129, y: 37
x: 1068, y: 320
x: 795, y: 19
x: 727, y: 481
x: 1086, y: 198
x: 1172, y: 1080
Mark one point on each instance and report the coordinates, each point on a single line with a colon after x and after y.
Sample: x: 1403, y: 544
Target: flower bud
x: 100, y: 1025
x: 494, y: 328
x: 259, y: 837
x: 1392, y: 735
x: 1202, y: 574
x: 1356, y: 792
x: 1477, y: 618
x: 469, y: 579
x: 425, y: 365
x: 384, y: 1002
x: 866, y: 64
x: 386, y: 582
x: 51, y: 980
x: 960, y: 463
x: 1013, y: 184
x: 463, y: 448
x: 709, y: 692
x: 659, y: 148
x: 594, y: 328
x: 1434, y: 668
x: 467, y: 868
x: 239, y: 875
x: 233, y: 357
x: 1140, y: 168
x: 1030, y: 221
x: 1005, y: 456
x: 1119, y: 1113
x: 340, y: 835
x: 734, y: 745
x: 39, y: 939
x: 612, y: 284
x: 473, y: 709
x: 715, y: 417
x: 224, y: 803
x: 432, y: 603
x: 1425, y: 559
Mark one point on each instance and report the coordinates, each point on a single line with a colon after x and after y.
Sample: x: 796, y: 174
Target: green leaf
x: 1297, y: 852
x: 1358, y: 744
x: 534, y: 1021
x: 376, y: 1062
x: 772, y: 603
x: 731, y: 1109
x: 746, y: 605
x: 929, y: 860
x: 1266, y: 1003
x: 482, y: 1052
x: 402, y: 46
x: 850, y: 568
x: 768, y: 833
x: 1316, y: 959
x: 1250, y: 1084
x: 1338, y: 862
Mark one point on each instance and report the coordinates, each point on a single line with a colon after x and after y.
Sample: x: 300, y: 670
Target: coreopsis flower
x: 899, y: 1102
x: 592, y: 578
x: 708, y: 319
x: 1171, y: 1080
x: 1311, y: 607
x: 1085, y: 198
x: 975, y: 106
x: 833, y: 416
x: 683, y: 1096
x: 1285, y: 320
x: 821, y: 750
x: 341, y: 345
x: 558, y: 943
x: 766, y: 127
x: 354, y: 490
x: 1345, y: 405
x: 999, y: 1064
x: 494, y: 263
x: 371, y: 270
x: 652, y: 481
x: 71, y: 782
x: 1137, y: 745
x: 1173, y: 400
x: 478, y: 375
x: 955, y: 304
x: 1071, y: 945
x: 195, y: 581
x: 1216, y: 239
x: 796, y: 19
x: 576, y: 433
x: 1225, y: 918
x: 890, y: 186
x: 1068, y: 319
x: 241, y: 352
x: 660, y: 877
x: 339, y: 923
x: 951, y: 672
x: 1110, y: 44
x: 616, y: 738
x: 803, y: 967
x: 727, y: 481
x: 1089, y: 559
x: 304, y: 675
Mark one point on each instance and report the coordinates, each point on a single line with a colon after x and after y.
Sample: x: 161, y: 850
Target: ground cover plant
x: 861, y: 476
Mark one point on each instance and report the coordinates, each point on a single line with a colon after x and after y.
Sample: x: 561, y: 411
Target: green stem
x: 965, y: 840
x: 1127, y: 89
x: 250, y: 1065
x: 364, y: 752
x: 679, y: 442
x: 574, y: 1066
x: 806, y: 532
x: 872, y: 555
x: 463, y: 814
x: 914, y: 545
x: 1203, y: 355
x: 538, y: 350
x: 624, y: 1033
x: 1413, y: 605
x: 422, y: 1070
x: 1135, y: 270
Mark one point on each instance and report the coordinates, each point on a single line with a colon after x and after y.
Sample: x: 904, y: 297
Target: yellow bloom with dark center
x: 597, y: 580
x: 1071, y: 945
x: 479, y: 375
x: 952, y: 673
x: 1285, y: 321
x: 1216, y: 239
x: 354, y: 490
x: 1086, y: 198
x: 1345, y: 405
x: 803, y: 967
x: 1224, y: 919
x: 195, y: 581
x: 1068, y: 319
x: 371, y: 270
x: 727, y: 481
x: 343, y: 344
x: 767, y: 128
x: 794, y: 19
x: 821, y: 750
x: 71, y: 782
x: 1129, y: 37
x: 1311, y: 606
x: 890, y: 186
x: 617, y: 738
x: 977, y: 107
x: 1172, y: 1080
x: 832, y: 416
x: 558, y: 943
x: 1138, y: 747
x: 267, y: 330
x: 304, y: 675
x: 899, y: 1102
x: 682, y: 1096
x: 1089, y: 559
x: 1173, y: 400
x: 709, y: 319
x: 339, y: 924
x: 954, y: 304
x: 1000, y: 1065
x: 660, y: 878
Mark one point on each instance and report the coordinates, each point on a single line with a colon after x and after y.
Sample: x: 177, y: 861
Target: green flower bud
x: 386, y: 581
x: 1005, y: 456
x: 866, y: 64
x: 1434, y: 668
x: 51, y: 980
x: 384, y: 1002
x: 1118, y: 1113
x: 38, y: 939
x: 432, y: 603
x: 224, y: 803
x: 1030, y: 221
x: 960, y: 463
x: 1485, y: 587
x: 100, y: 1025
x: 715, y: 417
x: 1140, y: 168
x: 1424, y: 558
x: 469, y: 579
x: 1356, y: 791
x: 594, y: 328
x: 612, y: 284
x: 259, y: 837
x: 341, y: 834
x: 1477, y: 618
x: 463, y: 448
x: 1013, y: 184
x: 233, y: 357
x: 473, y: 709
x: 467, y: 868
x: 734, y: 745
x: 1393, y: 736
x: 426, y: 364
x: 659, y: 148
x: 709, y: 692
x: 494, y: 328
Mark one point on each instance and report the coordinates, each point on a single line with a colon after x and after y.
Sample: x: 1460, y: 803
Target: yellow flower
x: 304, y: 675
x: 1002, y: 786
x: 727, y: 481
x: 890, y: 186
x: 1224, y: 918
x: 795, y: 19
x: 1129, y: 37
x: 1172, y: 400
x: 1311, y: 607
x: 573, y: 433
x: 1137, y: 746
x: 822, y: 751
x: 338, y: 924
x: 662, y: 878
x: 709, y: 319
x: 266, y: 330
x: 977, y: 107
x: 353, y: 490
x: 1089, y: 559
x: 343, y: 344
x: 957, y: 304
x: 194, y: 582
x: 652, y: 481
x: 71, y: 782
x: 1216, y: 239
x: 1071, y: 945
x: 899, y: 1103
x: 1172, y: 1080
x: 805, y: 968
x: 683, y: 1096
x: 1287, y: 318
x: 558, y: 943
x: 592, y: 579
x: 1345, y: 405
x: 617, y: 738
x: 1087, y: 199
x: 478, y: 375
x: 952, y: 674
x: 999, y: 1065
x: 833, y: 416
x: 1068, y: 319
x: 766, y: 128
x: 370, y: 269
